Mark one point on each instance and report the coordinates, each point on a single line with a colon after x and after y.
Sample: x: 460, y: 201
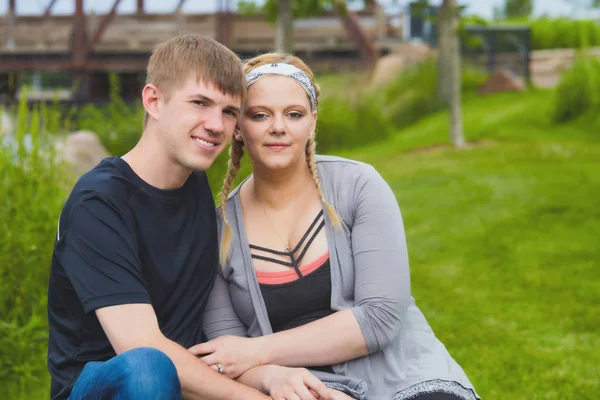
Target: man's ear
x: 150, y: 98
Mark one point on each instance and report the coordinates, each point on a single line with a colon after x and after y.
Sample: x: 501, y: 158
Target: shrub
x: 413, y: 95
x: 33, y: 192
x: 578, y: 91
x: 345, y: 123
x: 559, y: 33
x: 117, y: 124
x: 562, y: 33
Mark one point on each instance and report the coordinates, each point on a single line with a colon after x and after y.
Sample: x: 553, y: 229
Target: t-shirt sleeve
x: 98, y: 252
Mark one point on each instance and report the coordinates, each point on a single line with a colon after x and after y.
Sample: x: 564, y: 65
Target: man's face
x: 197, y: 123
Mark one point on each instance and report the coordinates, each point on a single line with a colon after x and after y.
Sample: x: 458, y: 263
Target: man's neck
x: 152, y: 164
x: 276, y: 191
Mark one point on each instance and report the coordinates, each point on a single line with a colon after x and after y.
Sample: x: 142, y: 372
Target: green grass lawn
x: 504, y: 242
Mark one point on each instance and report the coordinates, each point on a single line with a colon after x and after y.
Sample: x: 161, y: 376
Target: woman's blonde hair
x: 236, y: 153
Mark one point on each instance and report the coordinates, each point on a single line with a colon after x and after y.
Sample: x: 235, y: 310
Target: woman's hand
x: 284, y: 383
x: 235, y: 355
x: 337, y: 395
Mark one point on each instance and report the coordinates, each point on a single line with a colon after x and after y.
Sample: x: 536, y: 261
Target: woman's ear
x: 237, y: 134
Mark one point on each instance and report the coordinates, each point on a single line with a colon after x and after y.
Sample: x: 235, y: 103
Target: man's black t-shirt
x: 121, y: 241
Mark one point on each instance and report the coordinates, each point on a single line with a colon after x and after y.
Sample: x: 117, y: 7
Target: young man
x: 136, y: 250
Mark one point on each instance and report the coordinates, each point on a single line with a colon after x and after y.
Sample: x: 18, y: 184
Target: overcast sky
x: 483, y: 8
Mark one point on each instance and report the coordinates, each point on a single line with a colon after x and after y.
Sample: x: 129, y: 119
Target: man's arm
x: 131, y: 326
x: 98, y: 250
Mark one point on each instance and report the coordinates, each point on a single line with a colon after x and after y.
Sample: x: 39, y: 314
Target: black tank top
x: 303, y: 298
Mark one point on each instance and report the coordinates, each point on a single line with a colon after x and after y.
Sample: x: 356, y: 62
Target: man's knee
x: 147, y: 373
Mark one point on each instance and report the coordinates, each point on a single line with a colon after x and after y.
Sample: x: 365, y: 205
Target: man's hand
x: 234, y: 354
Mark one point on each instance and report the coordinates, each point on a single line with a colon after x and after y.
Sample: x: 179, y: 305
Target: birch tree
x: 450, y: 74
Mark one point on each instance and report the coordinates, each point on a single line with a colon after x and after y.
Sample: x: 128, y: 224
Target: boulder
x: 387, y: 69
x: 6, y: 123
x: 389, y: 66
x: 502, y: 80
x: 414, y: 52
x: 82, y: 150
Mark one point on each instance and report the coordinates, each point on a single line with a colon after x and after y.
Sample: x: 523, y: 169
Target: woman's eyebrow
x: 268, y: 108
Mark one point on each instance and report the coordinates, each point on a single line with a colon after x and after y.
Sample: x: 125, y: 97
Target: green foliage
x: 51, y: 117
x: 518, y: 8
x: 413, y: 95
x: 345, y: 123
x: 564, y: 33
x: 426, y: 9
x: 31, y: 183
x: 248, y: 8
x: 558, y: 33
x: 300, y: 8
x: 118, y: 124
x: 578, y: 92
x: 469, y: 40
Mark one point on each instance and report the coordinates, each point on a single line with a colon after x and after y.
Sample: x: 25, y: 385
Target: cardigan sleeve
x: 220, y: 317
x: 382, y: 277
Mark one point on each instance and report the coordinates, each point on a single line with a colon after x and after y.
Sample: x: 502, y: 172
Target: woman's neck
x: 276, y: 191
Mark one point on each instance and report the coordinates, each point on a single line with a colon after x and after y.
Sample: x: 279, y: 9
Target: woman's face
x: 276, y: 123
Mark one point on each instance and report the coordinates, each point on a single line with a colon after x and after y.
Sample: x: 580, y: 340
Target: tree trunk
x: 10, y: 25
x: 284, y: 40
x: 454, y: 74
x: 444, y: 35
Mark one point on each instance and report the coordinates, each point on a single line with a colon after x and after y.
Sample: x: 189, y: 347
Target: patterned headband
x: 285, y: 70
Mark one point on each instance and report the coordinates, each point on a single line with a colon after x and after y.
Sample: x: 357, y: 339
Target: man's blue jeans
x: 139, y: 374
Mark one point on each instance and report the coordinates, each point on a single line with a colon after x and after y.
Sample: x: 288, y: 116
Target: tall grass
x: 559, y: 33
x: 413, y: 94
x: 578, y: 93
x: 562, y: 33
x: 118, y: 124
x: 33, y: 190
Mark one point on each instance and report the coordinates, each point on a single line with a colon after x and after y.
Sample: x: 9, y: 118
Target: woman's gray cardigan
x: 369, y: 274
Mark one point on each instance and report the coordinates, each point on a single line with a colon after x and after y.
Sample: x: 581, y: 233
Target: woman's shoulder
x: 336, y: 161
x: 343, y: 170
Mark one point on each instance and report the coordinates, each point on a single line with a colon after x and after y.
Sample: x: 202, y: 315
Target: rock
x: 389, y: 66
x: 6, y: 124
x: 82, y: 150
x: 502, y: 80
x: 414, y: 53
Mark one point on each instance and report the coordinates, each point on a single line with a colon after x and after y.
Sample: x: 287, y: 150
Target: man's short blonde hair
x: 172, y: 62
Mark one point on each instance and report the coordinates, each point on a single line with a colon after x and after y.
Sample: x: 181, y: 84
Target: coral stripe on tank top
x: 280, y: 277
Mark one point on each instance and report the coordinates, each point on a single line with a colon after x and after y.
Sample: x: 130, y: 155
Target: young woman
x: 315, y: 268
